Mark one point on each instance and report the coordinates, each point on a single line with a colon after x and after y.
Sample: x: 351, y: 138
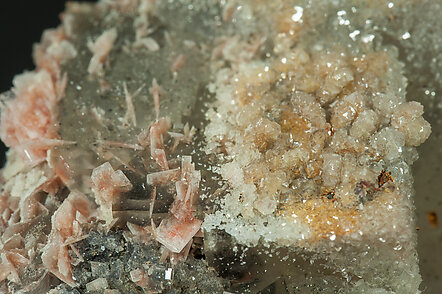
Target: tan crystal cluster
x: 308, y: 134
x: 314, y: 141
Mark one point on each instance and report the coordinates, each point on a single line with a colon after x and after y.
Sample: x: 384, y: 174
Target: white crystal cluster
x: 315, y: 141
x: 287, y: 142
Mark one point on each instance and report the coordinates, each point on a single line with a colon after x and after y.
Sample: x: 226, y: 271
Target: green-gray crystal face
x: 224, y: 147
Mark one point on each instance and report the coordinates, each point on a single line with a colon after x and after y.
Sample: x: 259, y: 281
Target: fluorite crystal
x: 213, y: 147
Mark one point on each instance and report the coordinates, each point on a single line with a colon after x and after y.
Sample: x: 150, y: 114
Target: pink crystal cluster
x: 36, y: 178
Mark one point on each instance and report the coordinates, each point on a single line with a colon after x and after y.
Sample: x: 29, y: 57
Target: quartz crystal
x: 240, y: 146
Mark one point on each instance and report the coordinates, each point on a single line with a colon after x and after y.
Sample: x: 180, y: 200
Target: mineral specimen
x: 211, y: 146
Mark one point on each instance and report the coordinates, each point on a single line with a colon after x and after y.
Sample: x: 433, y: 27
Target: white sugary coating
x: 233, y: 173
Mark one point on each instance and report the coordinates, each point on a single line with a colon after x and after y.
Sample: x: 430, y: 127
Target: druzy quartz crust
x: 213, y: 147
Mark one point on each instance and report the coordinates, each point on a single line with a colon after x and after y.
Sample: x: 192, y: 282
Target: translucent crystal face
x: 240, y: 146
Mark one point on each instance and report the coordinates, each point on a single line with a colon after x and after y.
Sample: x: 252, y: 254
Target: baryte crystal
x: 272, y: 138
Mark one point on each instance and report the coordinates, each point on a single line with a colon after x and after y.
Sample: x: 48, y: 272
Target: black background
x: 22, y: 23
